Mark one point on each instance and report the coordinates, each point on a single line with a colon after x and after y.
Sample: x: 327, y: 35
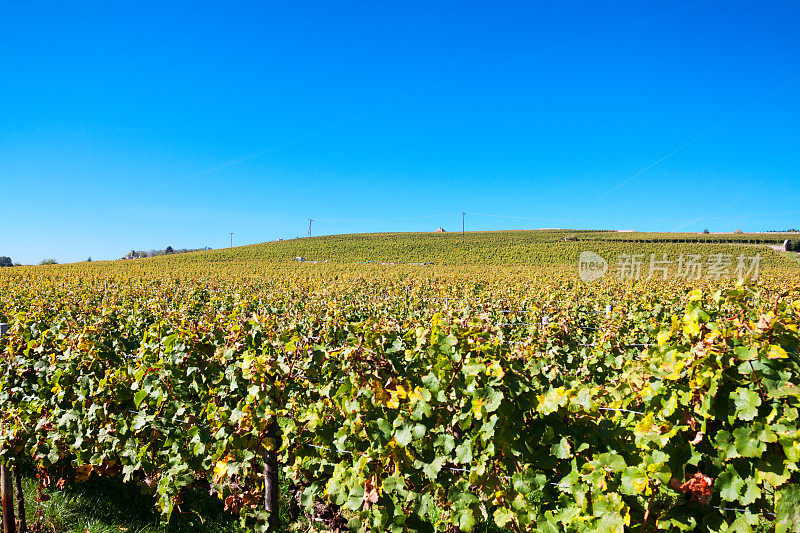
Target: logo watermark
x: 592, y: 266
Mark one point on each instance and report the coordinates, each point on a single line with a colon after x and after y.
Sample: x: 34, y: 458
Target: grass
x: 108, y: 505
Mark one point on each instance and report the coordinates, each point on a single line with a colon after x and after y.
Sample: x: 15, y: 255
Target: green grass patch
x: 103, y: 505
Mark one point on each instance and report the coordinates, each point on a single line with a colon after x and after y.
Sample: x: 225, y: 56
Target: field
x: 543, y: 249
x: 486, y: 389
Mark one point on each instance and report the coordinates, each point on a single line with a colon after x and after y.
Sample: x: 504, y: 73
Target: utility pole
x: 231, y: 239
x: 462, y: 223
x: 310, y: 220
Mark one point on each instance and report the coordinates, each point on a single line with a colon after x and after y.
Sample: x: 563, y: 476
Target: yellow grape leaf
x: 675, y: 370
x: 380, y: 394
x: 776, y: 352
x: 691, y: 328
x: 220, y: 470
x: 398, y: 394
x: 645, y: 426
x: 640, y: 484
x: 663, y: 337
x: 414, y: 395
x: 552, y: 400
x: 495, y: 370
x: 477, y: 404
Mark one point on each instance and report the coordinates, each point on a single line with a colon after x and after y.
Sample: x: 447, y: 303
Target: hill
x: 537, y: 248
x: 546, y: 250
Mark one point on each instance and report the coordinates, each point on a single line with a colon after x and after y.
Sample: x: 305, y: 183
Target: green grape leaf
x: 139, y: 397
x: 729, y: 484
x: 787, y: 510
x: 464, y: 452
x: 747, y: 402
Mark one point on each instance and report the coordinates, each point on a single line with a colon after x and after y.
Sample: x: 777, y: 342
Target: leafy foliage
x: 411, y: 399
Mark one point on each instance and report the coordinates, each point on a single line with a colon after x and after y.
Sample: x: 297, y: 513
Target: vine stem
x: 758, y: 381
x: 647, y: 513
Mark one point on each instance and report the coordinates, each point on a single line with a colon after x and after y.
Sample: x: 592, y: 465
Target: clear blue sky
x: 145, y: 124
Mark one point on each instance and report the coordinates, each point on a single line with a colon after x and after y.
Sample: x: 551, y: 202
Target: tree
x: 48, y: 262
x: 89, y: 260
x: 169, y: 250
x: 705, y: 231
x: 5, y: 261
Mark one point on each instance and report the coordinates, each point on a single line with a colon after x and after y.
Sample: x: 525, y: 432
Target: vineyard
x: 545, y: 248
x: 491, y: 387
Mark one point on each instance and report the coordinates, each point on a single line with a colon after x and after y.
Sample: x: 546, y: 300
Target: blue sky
x: 147, y: 124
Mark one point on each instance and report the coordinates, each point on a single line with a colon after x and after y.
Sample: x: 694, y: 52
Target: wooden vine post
x: 6, y: 491
x: 9, y: 524
x: 271, y: 489
x: 22, y: 525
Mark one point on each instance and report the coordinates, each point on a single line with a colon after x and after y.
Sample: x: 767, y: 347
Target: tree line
x: 138, y: 254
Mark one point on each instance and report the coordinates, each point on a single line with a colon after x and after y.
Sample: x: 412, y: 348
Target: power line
x: 546, y: 219
x: 382, y: 219
x: 643, y: 220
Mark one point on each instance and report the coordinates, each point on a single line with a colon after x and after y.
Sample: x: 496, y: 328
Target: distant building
x: 440, y: 230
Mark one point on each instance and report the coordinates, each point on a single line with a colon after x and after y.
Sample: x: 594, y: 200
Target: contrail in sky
x: 605, y: 33
x: 701, y: 135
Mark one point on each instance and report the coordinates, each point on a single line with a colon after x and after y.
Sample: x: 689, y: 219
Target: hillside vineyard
x: 491, y: 387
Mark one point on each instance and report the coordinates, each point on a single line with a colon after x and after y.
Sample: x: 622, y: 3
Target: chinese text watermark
x: 592, y: 266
